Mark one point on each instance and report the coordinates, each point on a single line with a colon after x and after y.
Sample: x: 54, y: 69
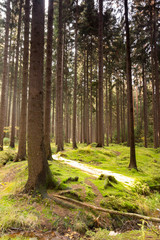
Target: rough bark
x: 38, y: 170
x: 100, y: 37
x: 75, y: 83
x: 145, y: 107
x: 4, y: 78
x: 47, y: 109
x: 132, y: 163
x: 118, y: 118
x: 59, y: 85
x: 14, y: 107
x: 22, y: 134
x: 110, y: 109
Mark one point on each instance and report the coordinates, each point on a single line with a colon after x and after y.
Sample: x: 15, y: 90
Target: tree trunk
x: 14, y: 108
x: 145, y: 107
x: 100, y: 85
x: 107, y: 123
x: 118, y: 118
x: 75, y: 84
x: 47, y: 110
x: 22, y: 135
x: 110, y: 109
x: 132, y: 163
x: 4, y: 78
x: 59, y: 86
x: 39, y: 175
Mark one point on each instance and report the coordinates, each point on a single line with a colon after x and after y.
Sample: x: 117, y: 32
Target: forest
x: 79, y: 119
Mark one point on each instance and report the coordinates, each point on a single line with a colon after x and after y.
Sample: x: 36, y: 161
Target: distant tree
x: 14, y: 106
x: 22, y: 135
x: 100, y: 83
x: 75, y: 81
x: 59, y: 85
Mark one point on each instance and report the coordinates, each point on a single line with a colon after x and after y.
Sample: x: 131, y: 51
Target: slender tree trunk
x: 101, y: 130
x: 81, y: 136
x: 5, y: 75
x: 53, y: 115
x: 107, y: 123
x: 84, y: 103
x: 118, y: 118
x: 47, y: 110
x: 87, y: 100
x: 110, y: 109
x: 39, y: 175
x: 11, y: 86
x: 132, y: 163
x: 91, y: 106
x: 22, y: 135
x: 124, y: 119
x: 75, y: 84
x: 145, y: 107
x: 14, y: 108
x: 59, y: 86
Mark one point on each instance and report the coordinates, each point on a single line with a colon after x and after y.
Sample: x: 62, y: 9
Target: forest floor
x: 102, y: 179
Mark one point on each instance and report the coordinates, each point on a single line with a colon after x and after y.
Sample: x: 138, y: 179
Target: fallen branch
x: 151, y: 219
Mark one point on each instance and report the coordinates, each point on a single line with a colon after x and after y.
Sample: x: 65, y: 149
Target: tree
x: 132, y: 163
x: 38, y: 170
x: 5, y: 75
x: 14, y: 107
x: 75, y: 83
x: 100, y: 84
x: 47, y: 115
x: 59, y: 85
x: 22, y: 135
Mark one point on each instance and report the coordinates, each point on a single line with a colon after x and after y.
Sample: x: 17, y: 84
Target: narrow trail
x: 95, y: 171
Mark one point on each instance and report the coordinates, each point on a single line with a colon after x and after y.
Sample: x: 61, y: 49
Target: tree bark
x: 14, y: 107
x: 59, y: 85
x: 39, y: 176
x: 47, y: 110
x: 22, y: 135
x: 75, y: 83
x: 100, y: 85
x: 145, y: 107
x: 5, y: 75
x: 132, y: 163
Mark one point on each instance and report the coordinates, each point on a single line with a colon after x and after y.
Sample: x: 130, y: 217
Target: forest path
x: 95, y: 171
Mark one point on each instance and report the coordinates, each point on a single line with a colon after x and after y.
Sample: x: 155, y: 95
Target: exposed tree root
x: 88, y: 206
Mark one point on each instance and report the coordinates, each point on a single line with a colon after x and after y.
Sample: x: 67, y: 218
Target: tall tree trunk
x: 11, y: 86
x: 124, y: 122
x: 110, y: 109
x: 100, y: 36
x: 75, y: 84
x: 14, y: 108
x: 118, y: 118
x: 132, y: 163
x: 145, y: 107
x: 39, y: 175
x: 22, y: 135
x: 91, y: 106
x: 47, y: 110
x: 4, y: 78
x: 84, y: 103
x: 107, y: 123
x: 87, y: 98
x: 59, y: 86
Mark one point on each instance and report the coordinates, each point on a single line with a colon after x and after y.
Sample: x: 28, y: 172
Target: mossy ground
x: 23, y: 212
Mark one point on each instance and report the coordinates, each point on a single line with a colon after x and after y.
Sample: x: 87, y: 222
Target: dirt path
x: 95, y: 171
